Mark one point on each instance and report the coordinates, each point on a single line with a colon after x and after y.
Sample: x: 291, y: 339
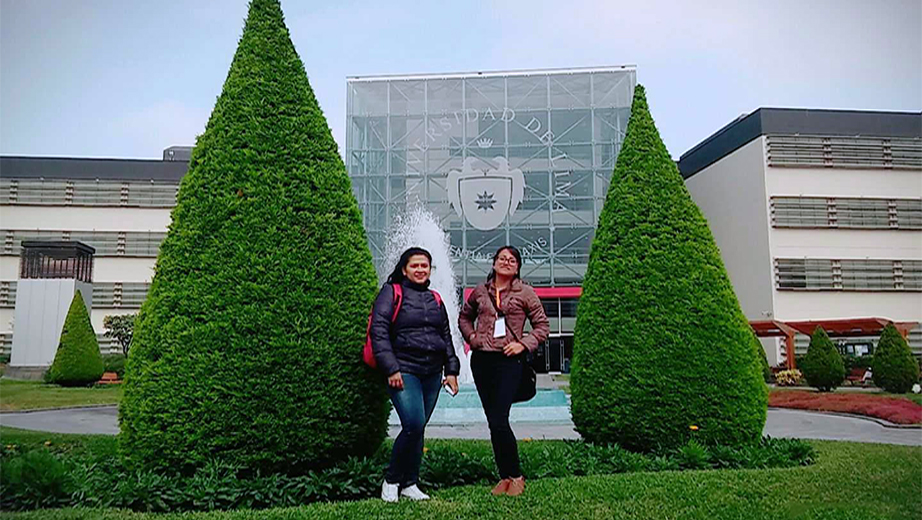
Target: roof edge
x: 798, y: 121
x: 496, y: 73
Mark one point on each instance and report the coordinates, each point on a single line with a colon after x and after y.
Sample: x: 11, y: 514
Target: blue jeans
x: 414, y: 405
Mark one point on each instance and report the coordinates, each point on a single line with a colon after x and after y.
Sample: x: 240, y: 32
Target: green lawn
x: 849, y: 481
x: 916, y: 398
x: 34, y: 395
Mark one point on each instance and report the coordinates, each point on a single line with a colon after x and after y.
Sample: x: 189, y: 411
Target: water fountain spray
x: 420, y: 228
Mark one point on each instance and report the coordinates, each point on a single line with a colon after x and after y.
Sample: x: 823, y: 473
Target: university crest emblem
x: 485, y: 197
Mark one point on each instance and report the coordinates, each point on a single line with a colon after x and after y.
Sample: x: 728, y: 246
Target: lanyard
x: 500, y: 313
x: 496, y: 304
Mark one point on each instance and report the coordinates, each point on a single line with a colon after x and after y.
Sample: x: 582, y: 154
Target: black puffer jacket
x: 419, y: 341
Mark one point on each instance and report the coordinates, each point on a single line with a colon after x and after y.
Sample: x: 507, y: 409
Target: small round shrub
x: 894, y: 368
x: 823, y: 366
x: 77, y: 361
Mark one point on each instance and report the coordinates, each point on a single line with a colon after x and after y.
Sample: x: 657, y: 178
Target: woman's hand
x: 452, y: 382
x: 395, y: 381
x: 513, y: 349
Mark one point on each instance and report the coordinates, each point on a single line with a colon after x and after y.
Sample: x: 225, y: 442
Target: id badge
x: 499, y: 327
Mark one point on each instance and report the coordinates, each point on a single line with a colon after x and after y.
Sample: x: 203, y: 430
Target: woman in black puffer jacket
x: 413, y: 349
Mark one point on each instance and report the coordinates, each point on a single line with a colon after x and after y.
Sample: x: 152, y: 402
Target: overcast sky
x: 127, y: 78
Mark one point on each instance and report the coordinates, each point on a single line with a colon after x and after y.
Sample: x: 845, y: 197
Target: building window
x: 7, y: 294
x: 104, y: 193
x: 910, y: 272
x: 32, y: 191
x: 816, y: 274
x: 808, y: 212
x: 846, y: 213
x: 125, y: 295
x: 908, y: 213
x: 867, y: 275
x: 804, y: 274
x: 142, y: 244
x: 862, y: 213
x: 800, y: 151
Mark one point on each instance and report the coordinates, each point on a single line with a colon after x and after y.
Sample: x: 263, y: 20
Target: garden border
x: 882, y: 422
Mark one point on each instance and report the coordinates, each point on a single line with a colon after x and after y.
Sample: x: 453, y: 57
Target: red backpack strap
x: 398, y: 299
x: 438, y: 297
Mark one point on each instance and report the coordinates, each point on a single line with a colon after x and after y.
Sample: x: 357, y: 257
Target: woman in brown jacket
x: 492, y: 321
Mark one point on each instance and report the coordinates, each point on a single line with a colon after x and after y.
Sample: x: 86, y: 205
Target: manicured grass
x: 894, y: 408
x: 35, y: 395
x: 850, y: 481
x: 93, y: 446
x: 916, y: 398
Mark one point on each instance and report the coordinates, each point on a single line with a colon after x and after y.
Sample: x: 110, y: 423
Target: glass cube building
x: 521, y: 158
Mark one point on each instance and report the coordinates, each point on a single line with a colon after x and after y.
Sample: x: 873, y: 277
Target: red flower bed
x: 894, y: 409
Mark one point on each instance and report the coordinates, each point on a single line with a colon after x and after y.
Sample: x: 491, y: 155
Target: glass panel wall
x: 517, y: 158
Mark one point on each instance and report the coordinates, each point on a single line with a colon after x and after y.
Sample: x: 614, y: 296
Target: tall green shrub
x: 661, y: 343
x: 823, y: 366
x: 894, y: 367
x: 77, y: 361
x: 248, y: 348
x: 767, y: 375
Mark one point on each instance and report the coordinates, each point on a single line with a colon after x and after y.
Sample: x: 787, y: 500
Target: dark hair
x: 397, y: 275
x: 518, y: 260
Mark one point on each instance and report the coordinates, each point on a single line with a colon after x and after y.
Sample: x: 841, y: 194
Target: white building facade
x: 818, y: 215
x: 121, y: 207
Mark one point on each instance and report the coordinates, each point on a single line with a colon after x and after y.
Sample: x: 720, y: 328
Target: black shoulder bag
x: 527, y: 387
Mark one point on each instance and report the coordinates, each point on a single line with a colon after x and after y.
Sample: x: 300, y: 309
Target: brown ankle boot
x: 516, y: 486
x: 501, y: 488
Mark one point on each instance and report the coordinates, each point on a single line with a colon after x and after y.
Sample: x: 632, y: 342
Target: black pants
x: 497, y: 378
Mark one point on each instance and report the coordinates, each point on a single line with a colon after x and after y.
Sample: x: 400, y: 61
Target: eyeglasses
x: 506, y: 260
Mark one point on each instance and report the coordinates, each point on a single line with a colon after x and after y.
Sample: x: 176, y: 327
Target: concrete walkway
x: 95, y: 419
x: 781, y: 423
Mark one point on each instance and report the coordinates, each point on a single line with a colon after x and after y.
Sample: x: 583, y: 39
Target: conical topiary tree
x: 823, y: 366
x: 248, y: 347
x: 662, y: 350
x: 767, y: 374
x: 894, y: 368
x: 77, y: 361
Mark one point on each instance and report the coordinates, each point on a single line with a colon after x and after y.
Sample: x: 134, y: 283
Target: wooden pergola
x: 837, y: 328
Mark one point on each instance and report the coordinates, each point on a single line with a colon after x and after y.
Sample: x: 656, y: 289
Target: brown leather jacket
x: 517, y: 302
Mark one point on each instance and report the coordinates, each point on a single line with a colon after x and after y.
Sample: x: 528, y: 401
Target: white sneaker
x: 389, y: 492
x: 413, y: 493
